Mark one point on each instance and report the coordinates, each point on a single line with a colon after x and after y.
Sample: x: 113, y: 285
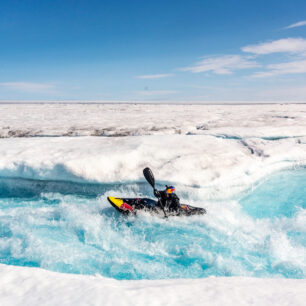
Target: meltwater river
x: 70, y: 227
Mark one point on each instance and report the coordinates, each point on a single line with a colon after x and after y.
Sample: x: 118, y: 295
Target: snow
x: 25, y: 120
x: 219, y: 150
x: 32, y: 286
x: 220, y: 166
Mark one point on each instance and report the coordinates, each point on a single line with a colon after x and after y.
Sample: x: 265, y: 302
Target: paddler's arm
x: 157, y: 193
x: 176, y: 202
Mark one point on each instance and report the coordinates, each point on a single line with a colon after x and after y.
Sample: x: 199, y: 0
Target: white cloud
x: 297, y: 24
x: 155, y: 76
x: 289, y: 45
x: 27, y: 86
x: 294, y: 67
x: 222, y: 65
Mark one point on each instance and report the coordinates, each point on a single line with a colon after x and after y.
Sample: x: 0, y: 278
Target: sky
x: 136, y: 50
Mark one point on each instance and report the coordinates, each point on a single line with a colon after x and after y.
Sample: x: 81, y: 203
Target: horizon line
x: 225, y: 102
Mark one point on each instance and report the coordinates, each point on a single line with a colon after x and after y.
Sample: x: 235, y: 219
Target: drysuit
x: 169, y: 202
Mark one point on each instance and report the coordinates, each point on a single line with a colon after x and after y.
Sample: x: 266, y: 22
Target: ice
x: 272, y: 120
x: 32, y: 286
x: 210, y: 152
x: 221, y: 167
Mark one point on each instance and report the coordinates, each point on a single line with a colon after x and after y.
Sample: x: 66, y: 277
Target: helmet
x: 170, y: 189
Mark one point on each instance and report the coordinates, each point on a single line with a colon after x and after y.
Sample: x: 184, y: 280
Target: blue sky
x: 234, y: 50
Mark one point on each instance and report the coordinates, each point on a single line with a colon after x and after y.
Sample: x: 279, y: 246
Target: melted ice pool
x: 69, y: 227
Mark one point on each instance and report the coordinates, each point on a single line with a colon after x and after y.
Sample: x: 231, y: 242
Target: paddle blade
x: 148, y: 174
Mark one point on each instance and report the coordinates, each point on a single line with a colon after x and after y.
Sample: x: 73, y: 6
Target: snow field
x: 212, y: 152
x: 32, y: 286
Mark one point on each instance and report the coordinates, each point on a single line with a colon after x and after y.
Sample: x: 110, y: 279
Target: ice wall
x: 215, y: 167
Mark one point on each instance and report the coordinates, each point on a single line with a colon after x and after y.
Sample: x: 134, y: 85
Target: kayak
x: 128, y: 206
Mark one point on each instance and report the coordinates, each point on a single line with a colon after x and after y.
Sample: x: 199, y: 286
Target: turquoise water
x: 69, y: 227
x: 283, y: 194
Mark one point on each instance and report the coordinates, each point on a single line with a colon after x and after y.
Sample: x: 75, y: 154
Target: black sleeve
x: 157, y: 193
x: 176, y: 201
x: 176, y: 198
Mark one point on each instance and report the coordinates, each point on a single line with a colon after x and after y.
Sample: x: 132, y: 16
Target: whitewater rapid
x: 53, y: 188
x: 70, y: 227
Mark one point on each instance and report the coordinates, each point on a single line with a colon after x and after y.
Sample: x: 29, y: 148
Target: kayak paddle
x: 148, y: 174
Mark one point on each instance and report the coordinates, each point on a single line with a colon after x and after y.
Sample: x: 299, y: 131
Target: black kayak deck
x: 133, y: 205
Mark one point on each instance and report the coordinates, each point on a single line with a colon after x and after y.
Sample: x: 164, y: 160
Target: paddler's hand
x: 156, y: 193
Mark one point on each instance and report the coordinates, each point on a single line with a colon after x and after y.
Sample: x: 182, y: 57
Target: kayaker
x: 167, y: 199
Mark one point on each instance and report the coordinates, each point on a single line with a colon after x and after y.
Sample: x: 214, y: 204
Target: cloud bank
x: 286, y: 45
x: 227, y: 64
x: 294, y: 67
x: 222, y: 65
